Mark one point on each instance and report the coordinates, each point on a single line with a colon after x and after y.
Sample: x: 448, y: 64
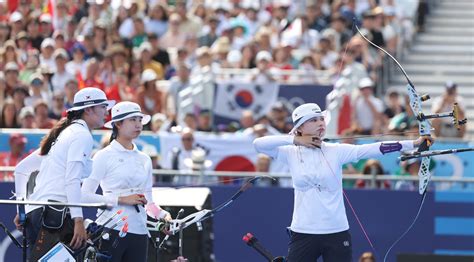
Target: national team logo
x: 244, y: 98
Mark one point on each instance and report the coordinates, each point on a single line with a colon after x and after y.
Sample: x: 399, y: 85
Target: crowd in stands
x: 148, y: 51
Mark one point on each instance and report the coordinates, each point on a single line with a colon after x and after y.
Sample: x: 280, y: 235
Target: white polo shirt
x: 317, y: 179
x: 120, y: 172
x: 67, y: 163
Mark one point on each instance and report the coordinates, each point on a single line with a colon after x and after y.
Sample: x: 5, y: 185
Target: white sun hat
x: 90, y: 96
x: 148, y: 75
x: 124, y: 110
x: 306, y: 112
x: 198, y: 160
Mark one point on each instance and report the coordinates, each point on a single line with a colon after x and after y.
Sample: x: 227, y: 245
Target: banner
x: 228, y: 152
x: 233, y: 98
x: 294, y: 95
x: 444, y: 225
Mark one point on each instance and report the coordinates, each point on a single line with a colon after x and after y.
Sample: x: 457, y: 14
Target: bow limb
x: 423, y: 124
x: 387, y: 53
x: 424, y: 130
x: 179, y: 224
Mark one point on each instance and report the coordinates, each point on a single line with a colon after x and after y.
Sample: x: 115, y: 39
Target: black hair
x: 48, y: 141
x: 115, y: 130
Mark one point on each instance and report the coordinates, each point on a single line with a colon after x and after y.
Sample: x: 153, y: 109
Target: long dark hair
x: 114, y: 131
x: 114, y: 134
x: 48, y: 141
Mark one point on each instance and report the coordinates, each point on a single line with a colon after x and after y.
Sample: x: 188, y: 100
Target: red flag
x: 80, y: 81
x: 344, y: 120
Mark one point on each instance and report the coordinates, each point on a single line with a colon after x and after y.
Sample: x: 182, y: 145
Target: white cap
x: 15, y: 17
x: 11, y: 66
x: 304, y: 113
x: 263, y: 55
x: 45, y: 18
x: 148, y: 75
x: 366, y: 82
x: 124, y: 110
x: 250, y: 4
x: 234, y: 56
x: 198, y: 160
x: 88, y: 97
x: 145, y: 46
x: 48, y: 42
x: 158, y: 117
x: 60, y: 53
x: 26, y: 111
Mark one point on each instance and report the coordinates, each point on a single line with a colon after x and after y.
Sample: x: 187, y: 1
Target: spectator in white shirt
x: 47, y: 50
x: 67, y: 150
x: 125, y: 175
x: 319, y: 226
x: 173, y: 37
x: 77, y: 65
x: 61, y: 76
x: 368, y: 109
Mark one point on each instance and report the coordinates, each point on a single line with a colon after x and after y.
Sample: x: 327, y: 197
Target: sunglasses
x: 187, y: 139
x: 37, y: 82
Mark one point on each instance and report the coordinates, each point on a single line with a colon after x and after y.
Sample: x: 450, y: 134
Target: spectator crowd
x: 149, y: 51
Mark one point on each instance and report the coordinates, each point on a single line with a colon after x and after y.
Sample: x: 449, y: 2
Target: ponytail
x: 114, y: 133
x: 48, y: 141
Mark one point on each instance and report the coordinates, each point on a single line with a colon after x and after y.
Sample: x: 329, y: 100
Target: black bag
x: 54, y: 216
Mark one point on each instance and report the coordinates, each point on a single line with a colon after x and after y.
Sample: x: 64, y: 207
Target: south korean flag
x: 233, y: 98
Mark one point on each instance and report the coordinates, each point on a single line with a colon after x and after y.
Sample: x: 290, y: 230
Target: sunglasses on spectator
x: 37, y: 82
x: 187, y: 139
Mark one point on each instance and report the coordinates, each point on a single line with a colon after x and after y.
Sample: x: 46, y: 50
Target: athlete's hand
x: 417, y: 143
x: 80, y: 235
x: 16, y: 221
x: 308, y: 141
x: 135, y: 199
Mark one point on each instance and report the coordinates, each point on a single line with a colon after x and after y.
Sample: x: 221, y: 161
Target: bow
x: 424, y: 126
x: 176, y: 225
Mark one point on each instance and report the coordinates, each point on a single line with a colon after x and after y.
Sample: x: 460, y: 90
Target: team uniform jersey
x: 317, y: 179
x: 120, y: 172
x: 63, y: 168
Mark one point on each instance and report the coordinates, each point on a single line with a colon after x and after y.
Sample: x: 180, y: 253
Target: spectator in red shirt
x: 92, y: 75
x: 150, y: 99
x: 281, y: 59
x: 120, y: 91
x: 17, y: 144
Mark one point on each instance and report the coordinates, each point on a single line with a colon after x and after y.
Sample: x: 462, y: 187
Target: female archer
x: 125, y: 175
x: 319, y: 225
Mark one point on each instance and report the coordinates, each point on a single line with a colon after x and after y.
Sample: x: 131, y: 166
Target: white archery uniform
x: 22, y: 173
x: 67, y: 163
x: 120, y: 172
x: 317, y: 179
